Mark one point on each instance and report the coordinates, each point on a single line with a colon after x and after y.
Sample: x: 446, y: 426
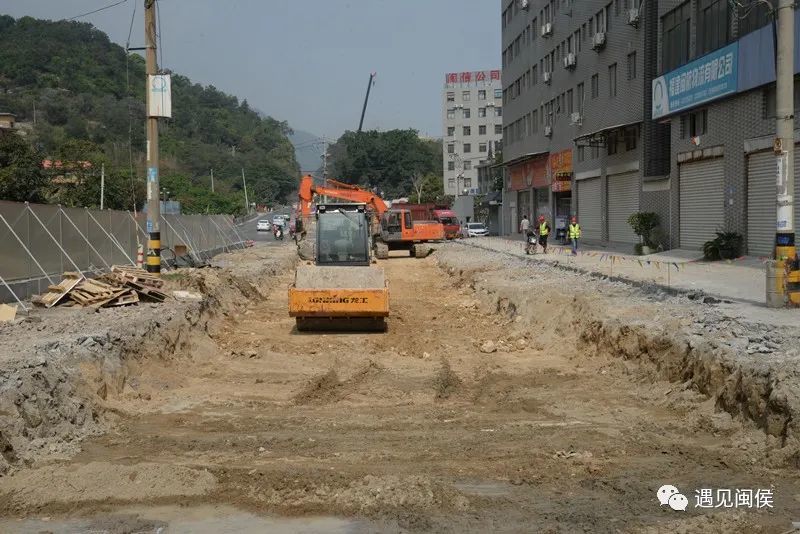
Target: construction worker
x: 574, y: 233
x: 544, y: 233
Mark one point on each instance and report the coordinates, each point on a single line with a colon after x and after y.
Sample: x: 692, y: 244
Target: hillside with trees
x: 78, y: 97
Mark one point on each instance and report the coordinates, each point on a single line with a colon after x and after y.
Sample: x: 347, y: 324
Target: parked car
x: 263, y: 225
x: 476, y: 230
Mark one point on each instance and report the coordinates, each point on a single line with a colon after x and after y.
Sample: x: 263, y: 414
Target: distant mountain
x: 67, y: 82
x: 307, y: 150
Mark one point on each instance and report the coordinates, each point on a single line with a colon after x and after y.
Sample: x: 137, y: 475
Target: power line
x: 98, y: 10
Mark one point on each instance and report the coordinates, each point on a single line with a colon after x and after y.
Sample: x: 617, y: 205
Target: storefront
x: 560, y: 170
x: 702, y: 201
x: 761, y: 208
x: 526, y: 174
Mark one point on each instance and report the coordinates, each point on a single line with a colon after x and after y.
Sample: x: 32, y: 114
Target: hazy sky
x: 308, y: 61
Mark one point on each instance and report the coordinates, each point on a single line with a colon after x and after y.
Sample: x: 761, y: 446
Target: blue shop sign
x: 705, y: 79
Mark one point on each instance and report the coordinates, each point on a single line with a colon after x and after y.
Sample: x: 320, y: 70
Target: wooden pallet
x: 134, y: 274
x: 56, y: 293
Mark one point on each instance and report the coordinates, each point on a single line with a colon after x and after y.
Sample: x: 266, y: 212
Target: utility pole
x: 366, y: 100
x: 153, y: 200
x: 212, y: 180
x: 246, y: 202
x: 102, y: 185
x: 784, y: 143
x: 324, y: 161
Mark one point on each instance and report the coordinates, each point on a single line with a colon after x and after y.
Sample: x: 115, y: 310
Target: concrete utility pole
x: 784, y: 143
x: 246, y: 202
x: 153, y: 200
x: 212, y: 180
x: 102, y: 185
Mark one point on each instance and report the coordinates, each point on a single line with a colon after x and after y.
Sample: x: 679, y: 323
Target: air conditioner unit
x: 570, y: 60
x: 599, y: 40
x: 547, y: 29
x: 547, y: 77
x: 524, y: 4
x: 575, y: 119
x: 633, y: 17
x: 548, y: 131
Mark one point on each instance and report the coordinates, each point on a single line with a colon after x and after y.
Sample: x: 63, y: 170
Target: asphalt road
x: 247, y: 230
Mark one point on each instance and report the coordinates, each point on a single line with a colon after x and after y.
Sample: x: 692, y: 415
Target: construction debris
x: 124, y: 285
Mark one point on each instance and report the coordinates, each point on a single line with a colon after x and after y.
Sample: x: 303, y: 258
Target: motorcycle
x: 531, y: 243
x: 279, y: 233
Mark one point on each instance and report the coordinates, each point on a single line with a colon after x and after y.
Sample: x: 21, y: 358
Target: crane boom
x: 341, y: 191
x: 366, y: 99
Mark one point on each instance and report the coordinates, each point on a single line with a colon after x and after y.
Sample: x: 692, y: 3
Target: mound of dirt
x: 416, y: 493
x: 446, y: 381
x: 103, y: 481
x: 327, y: 388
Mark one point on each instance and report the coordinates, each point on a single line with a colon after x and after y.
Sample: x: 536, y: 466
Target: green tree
x: 21, y: 175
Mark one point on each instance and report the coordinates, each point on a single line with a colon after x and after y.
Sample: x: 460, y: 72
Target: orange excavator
x: 392, y: 229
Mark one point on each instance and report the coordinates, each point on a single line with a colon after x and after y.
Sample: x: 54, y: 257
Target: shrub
x: 643, y: 223
x: 726, y: 246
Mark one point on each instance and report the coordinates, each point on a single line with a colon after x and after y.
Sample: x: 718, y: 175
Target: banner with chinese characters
x: 705, y: 79
x: 529, y: 173
x: 481, y: 77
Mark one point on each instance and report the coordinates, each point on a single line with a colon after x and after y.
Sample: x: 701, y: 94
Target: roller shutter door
x: 761, y: 169
x: 702, y: 198
x: 590, y: 209
x: 623, y: 199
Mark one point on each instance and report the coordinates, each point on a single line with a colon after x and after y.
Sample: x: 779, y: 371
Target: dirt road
x: 458, y: 419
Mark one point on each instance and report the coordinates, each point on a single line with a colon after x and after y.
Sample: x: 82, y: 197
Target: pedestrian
x: 574, y: 233
x: 524, y: 225
x: 544, y: 233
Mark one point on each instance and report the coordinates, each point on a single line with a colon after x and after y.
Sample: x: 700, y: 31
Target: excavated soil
x: 468, y: 415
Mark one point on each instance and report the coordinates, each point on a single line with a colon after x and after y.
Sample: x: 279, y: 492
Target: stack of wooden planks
x: 122, y: 286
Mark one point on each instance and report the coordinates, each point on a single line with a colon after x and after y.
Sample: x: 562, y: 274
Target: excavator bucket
x: 339, y: 299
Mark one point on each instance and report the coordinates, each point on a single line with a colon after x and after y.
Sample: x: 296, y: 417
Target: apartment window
x: 481, y: 112
x: 498, y: 129
x: 612, y: 80
x: 534, y: 29
x: 631, y: 136
x: 466, y: 113
x: 465, y: 96
x: 713, y: 23
x: 581, y: 96
x: 617, y: 7
x: 498, y: 93
x: 467, y: 181
x: 577, y: 39
x: 581, y: 153
x: 570, y: 103
x: 600, y: 21
x: 482, y: 94
x: 595, y: 86
x: 612, y: 142
x: 535, y: 121
x: 498, y: 111
x: 756, y: 16
x: 675, y: 36
x: 632, y: 66
x: 534, y: 75
x: 607, y: 18
x: 451, y: 131
x: 481, y: 147
x: 451, y: 96
x: 467, y: 148
x: 451, y: 166
x: 451, y: 114
x: 482, y: 129
x: 467, y: 130
x: 595, y: 153
x: 694, y: 124
x: 451, y: 148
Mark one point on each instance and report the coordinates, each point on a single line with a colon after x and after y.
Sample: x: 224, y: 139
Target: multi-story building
x: 574, y: 86
x: 473, y: 127
x: 717, y: 93
x: 618, y: 106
